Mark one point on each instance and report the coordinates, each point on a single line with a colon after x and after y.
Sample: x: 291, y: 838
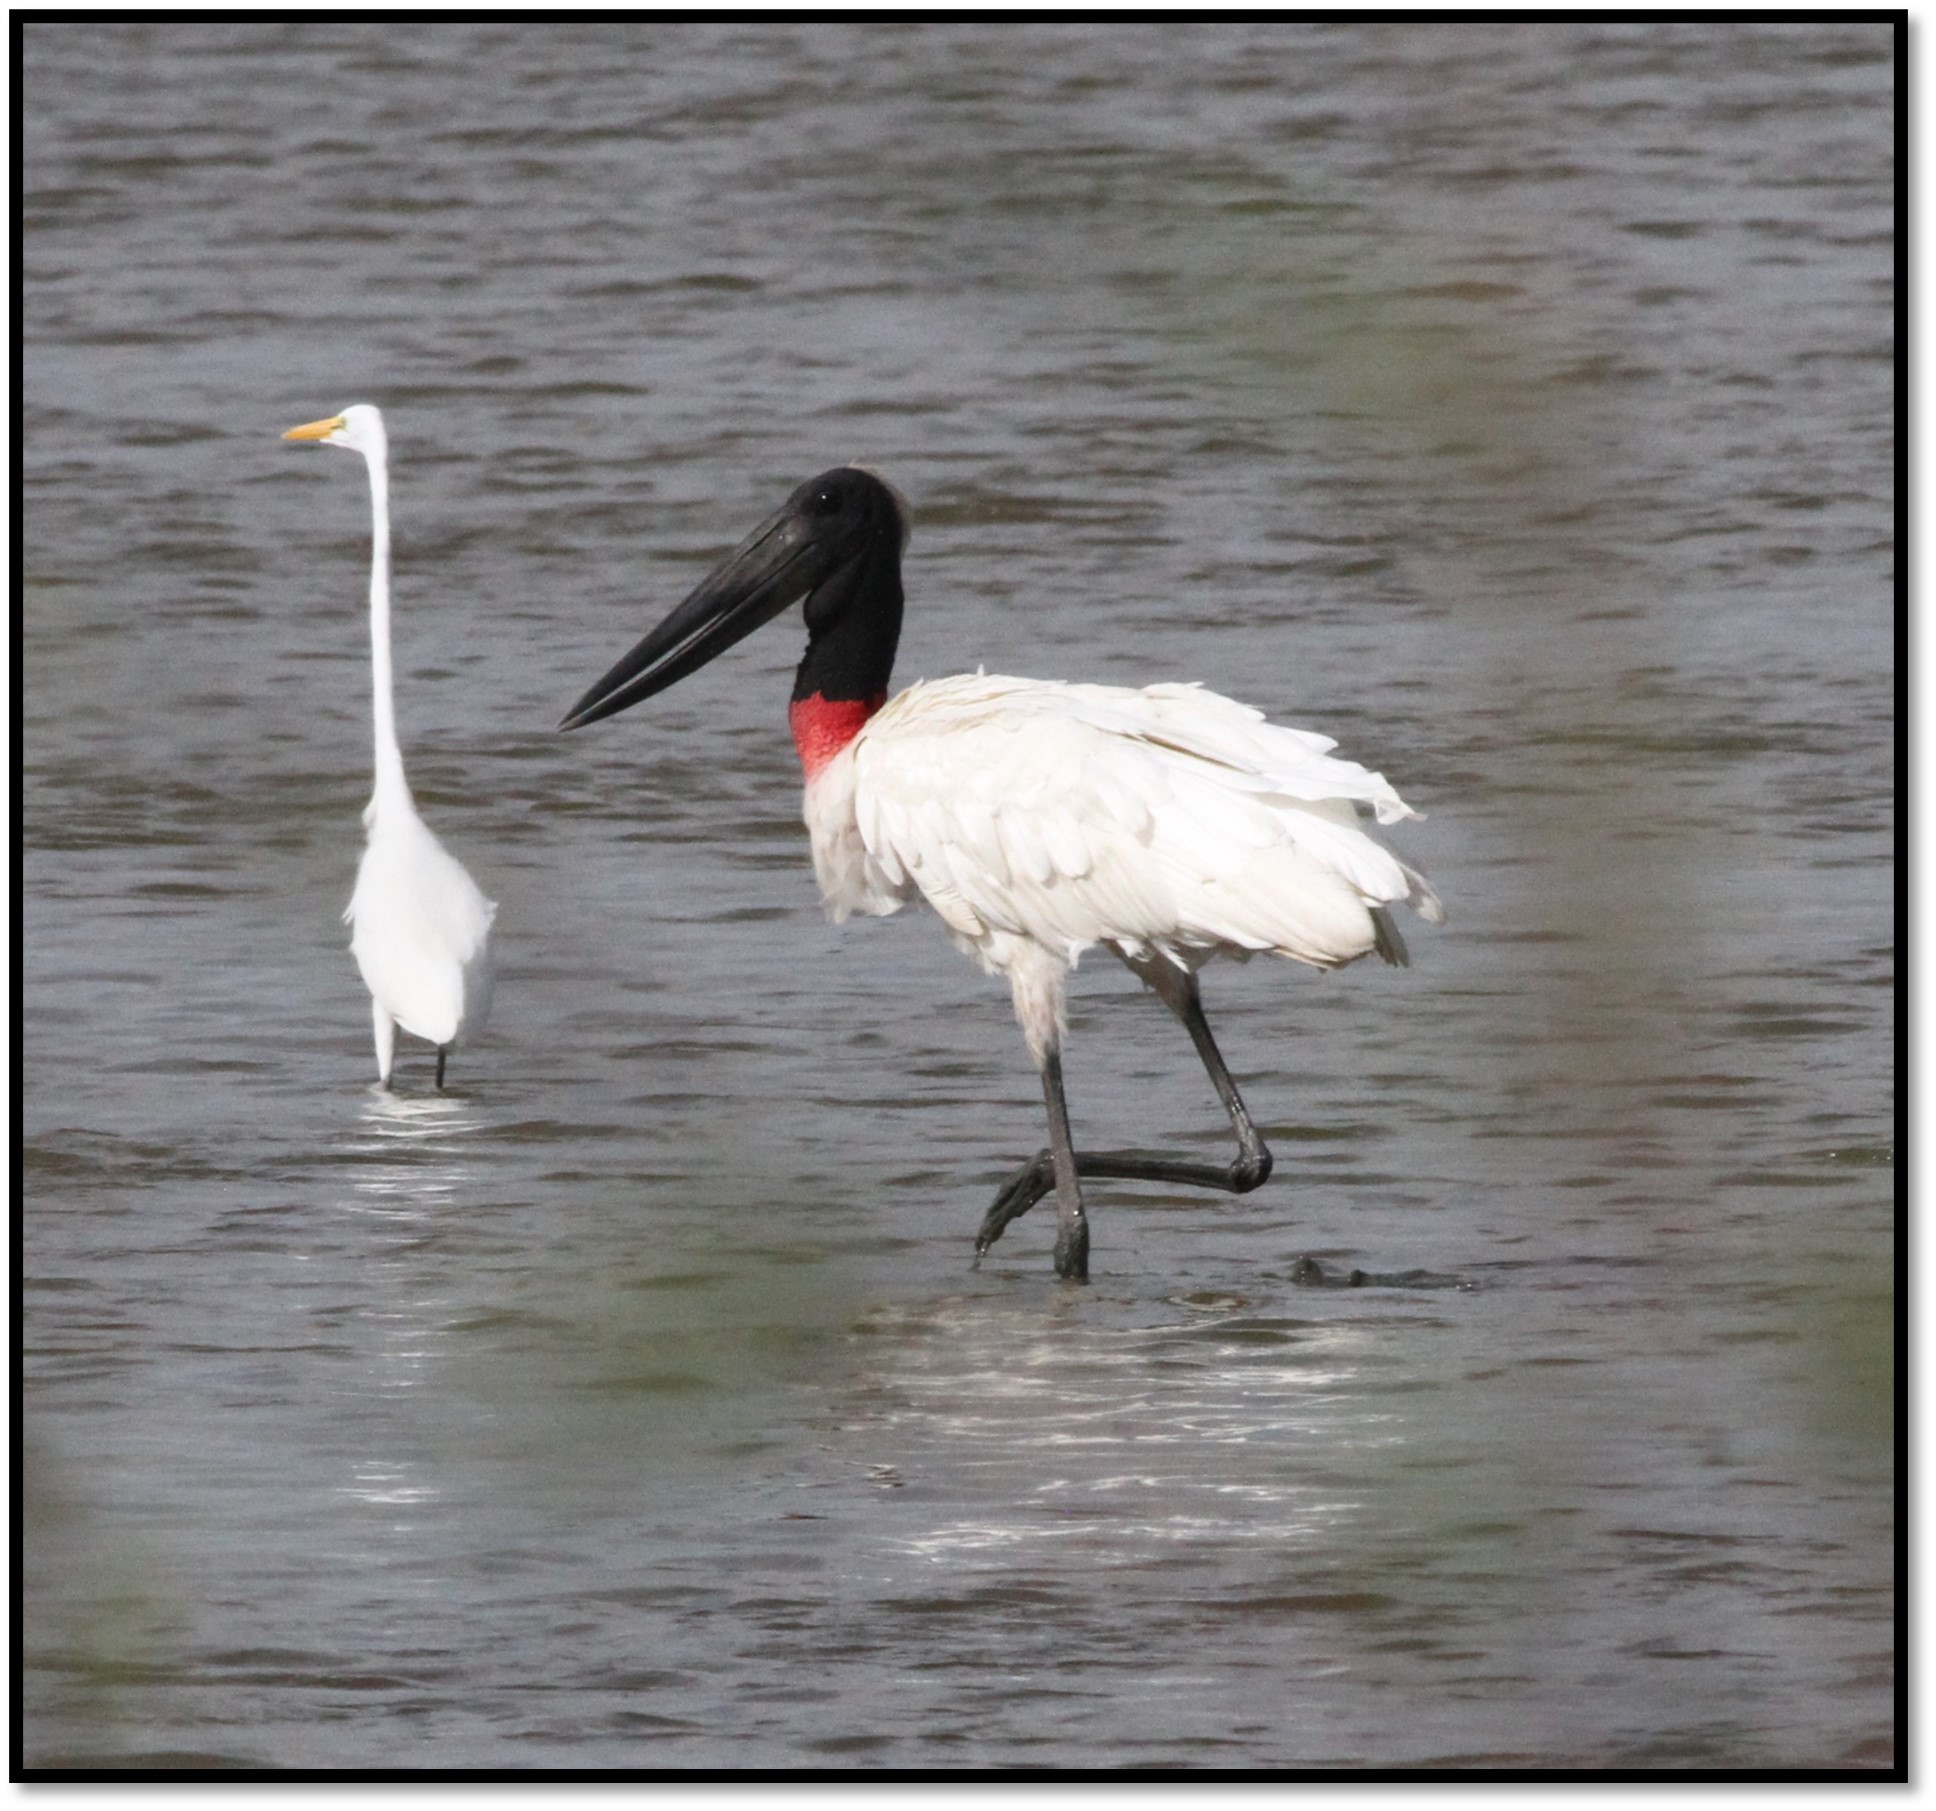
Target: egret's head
x: 359, y: 427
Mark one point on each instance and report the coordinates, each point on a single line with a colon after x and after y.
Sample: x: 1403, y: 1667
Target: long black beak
x: 768, y: 570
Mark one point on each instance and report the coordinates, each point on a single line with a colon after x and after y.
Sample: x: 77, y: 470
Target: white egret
x: 420, y: 928
x: 1037, y: 819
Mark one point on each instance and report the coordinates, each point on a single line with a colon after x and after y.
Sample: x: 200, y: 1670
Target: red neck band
x: 822, y: 727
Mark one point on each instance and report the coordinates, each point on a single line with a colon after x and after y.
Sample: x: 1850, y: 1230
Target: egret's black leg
x: 1245, y: 1172
x: 443, y: 1050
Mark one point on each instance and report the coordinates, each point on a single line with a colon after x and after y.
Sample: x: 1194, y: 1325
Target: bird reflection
x: 413, y: 1176
x: 417, y: 1116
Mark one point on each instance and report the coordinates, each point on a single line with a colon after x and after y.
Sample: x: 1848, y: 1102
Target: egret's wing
x: 420, y: 931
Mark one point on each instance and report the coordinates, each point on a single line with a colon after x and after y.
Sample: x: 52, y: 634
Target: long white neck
x: 391, y: 786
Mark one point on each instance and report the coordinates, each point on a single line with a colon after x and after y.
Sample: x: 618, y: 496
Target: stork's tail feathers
x: 1385, y: 938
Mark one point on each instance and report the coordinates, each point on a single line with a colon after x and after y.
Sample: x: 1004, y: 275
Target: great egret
x: 420, y: 928
x: 1170, y: 825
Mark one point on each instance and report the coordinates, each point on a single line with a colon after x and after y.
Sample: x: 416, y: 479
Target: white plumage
x: 1040, y: 819
x: 420, y: 926
x: 420, y: 932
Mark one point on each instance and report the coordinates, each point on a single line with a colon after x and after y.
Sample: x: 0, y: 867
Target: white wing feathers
x: 420, y: 930
x: 1169, y: 819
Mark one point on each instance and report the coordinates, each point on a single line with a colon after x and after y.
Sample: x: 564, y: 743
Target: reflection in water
x: 391, y: 1113
x: 377, y: 1484
x: 426, y: 1176
x: 1108, y: 1437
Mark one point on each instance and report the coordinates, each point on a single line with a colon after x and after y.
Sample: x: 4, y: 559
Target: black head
x: 836, y: 542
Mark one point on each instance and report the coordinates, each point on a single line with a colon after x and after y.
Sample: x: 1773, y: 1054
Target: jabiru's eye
x: 825, y: 502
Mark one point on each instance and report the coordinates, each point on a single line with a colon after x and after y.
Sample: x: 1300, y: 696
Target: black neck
x: 854, y: 627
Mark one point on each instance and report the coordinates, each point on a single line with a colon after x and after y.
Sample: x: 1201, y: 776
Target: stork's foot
x: 1027, y: 1186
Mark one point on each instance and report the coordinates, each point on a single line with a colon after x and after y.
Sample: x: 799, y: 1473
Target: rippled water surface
x: 1512, y: 403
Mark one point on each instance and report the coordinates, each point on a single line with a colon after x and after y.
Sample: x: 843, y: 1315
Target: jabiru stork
x: 420, y: 927
x: 1038, y: 819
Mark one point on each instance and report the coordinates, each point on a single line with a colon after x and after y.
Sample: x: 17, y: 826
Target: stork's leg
x: 1245, y: 1172
x: 1072, y: 1230
x: 443, y: 1050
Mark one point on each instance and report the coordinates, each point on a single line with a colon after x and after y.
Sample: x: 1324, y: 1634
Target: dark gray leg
x: 1072, y: 1225
x: 443, y: 1050
x: 1245, y: 1172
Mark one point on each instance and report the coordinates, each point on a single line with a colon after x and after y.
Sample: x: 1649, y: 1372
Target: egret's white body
x: 420, y: 932
x: 419, y: 925
x: 1040, y: 819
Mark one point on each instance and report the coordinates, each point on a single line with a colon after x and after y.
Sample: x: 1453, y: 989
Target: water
x: 1513, y: 403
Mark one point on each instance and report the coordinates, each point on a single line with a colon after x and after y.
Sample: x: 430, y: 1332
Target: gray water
x: 1512, y: 403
